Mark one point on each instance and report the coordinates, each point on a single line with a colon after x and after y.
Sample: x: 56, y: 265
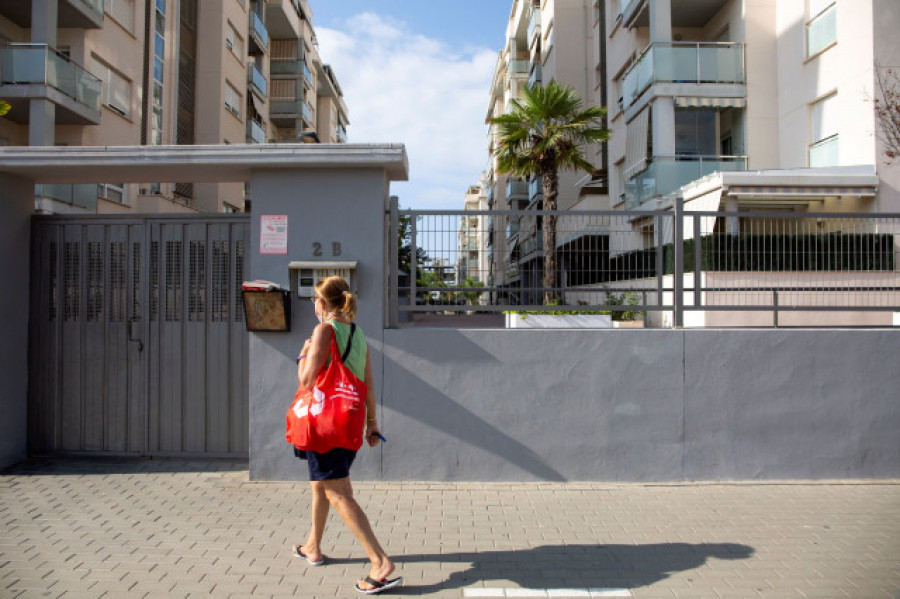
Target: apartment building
x: 545, y: 39
x: 775, y: 98
x: 472, y: 237
x: 162, y: 72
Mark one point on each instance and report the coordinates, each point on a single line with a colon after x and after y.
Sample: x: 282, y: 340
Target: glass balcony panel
x: 821, y: 31
x: 665, y: 174
x: 24, y: 64
x: 824, y: 153
x: 83, y: 195
x: 535, y: 188
x: 257, y: 26
x: 257, y: 79
x: 256, y: 132
x: 683, y: 63
x: 39, y: 64
x: 518, y: 67
x: 674, y: 63
x: 516, y: 187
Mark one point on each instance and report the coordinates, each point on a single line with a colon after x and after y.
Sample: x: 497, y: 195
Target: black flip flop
x: 299, y: 553
x: 380, y: 587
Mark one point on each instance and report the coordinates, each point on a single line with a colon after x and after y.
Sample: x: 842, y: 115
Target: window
x: 821, y: 29
x: 234, y: 42
x: 232, y: 100
x: 823, y: 149
x: 116, y: 92
x: 122, y: 11
x: 112, y: 191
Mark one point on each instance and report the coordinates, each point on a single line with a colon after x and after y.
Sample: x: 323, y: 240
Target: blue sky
x: 417, y: 72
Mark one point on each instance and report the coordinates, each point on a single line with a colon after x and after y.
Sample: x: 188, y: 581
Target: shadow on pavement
x: 575, y: 566
x: 76, y: 465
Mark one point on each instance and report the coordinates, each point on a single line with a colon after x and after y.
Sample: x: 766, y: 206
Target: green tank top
x: 356, y: 361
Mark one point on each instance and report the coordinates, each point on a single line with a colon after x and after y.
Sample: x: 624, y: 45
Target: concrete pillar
x: 663, y: 107
x: 663, y: 125
x: 17, y: 201
x: 41, y: 123
x: 42, y: 113
x: 660, y: 20
x: 44, y: 18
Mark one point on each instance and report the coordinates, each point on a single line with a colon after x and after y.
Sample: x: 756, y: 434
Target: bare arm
x: 318, y: 353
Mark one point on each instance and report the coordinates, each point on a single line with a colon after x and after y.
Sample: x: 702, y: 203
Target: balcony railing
x: 258, y: 30
x: 535, y: 76
x: 536, y: 189
x: 40, y: 64
x: 342, y: 134
x: 82, y: 195
x: 256, y: 133
x: 534, y: 26
x: 257, y: 80
x: 683, y: 62
x: 665, y: 174
x: 518, y: 67
x: 307, y: 74
x: 516, y: 189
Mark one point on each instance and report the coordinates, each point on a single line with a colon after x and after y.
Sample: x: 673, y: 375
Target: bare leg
x: 313, y: 547
x: 340, y: 496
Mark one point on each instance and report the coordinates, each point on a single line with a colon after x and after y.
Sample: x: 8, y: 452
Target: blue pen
x: 380, y: 436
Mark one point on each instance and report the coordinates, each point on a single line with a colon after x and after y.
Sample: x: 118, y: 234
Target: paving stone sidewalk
x: 167, y: 528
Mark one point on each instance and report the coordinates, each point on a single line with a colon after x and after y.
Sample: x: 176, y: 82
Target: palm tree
x: 544, y: 134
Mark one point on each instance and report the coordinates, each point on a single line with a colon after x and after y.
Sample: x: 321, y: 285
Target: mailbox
x: 305, y: 275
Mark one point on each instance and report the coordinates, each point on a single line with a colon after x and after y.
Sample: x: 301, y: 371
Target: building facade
x: 743, y: 106
x: 162, y: 72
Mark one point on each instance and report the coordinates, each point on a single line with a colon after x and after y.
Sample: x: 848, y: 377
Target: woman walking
x: 329, y: 472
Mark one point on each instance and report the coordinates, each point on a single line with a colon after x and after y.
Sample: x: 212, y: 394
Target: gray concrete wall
x: 17, y: 201
x: 325, y: 207
x: 638, y: 405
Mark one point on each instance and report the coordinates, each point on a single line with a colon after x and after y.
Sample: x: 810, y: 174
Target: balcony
x: 256, y: 133
x: 516, y: 190
x: 513, y: 226
x: 685, y: 13
x: 285, y: 112
x: 82, y: 195
x: 534, y: 28
x: 536, y: 189
x: 257, y: 81
x: 534, y: 78
x: 73, y: 14
x: 284, y: 17
x: 259, y: 35
x: 666, y: 174
x: 686, y: 65
x: 35, y: 71
x: 341, y: 134
x: 518, y: 68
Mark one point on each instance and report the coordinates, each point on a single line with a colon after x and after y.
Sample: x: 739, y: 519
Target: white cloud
x: 406, y: 88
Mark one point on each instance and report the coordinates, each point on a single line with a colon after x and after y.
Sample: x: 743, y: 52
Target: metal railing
x: 748, y: 268
x: 683, y: 62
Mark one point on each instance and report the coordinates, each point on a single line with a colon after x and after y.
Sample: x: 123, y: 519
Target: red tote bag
x: 331, y: 414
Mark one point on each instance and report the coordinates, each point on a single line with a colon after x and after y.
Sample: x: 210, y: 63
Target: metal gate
x: 138, y: 343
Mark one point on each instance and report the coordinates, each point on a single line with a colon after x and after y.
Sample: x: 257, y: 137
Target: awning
x: 795, y: 191
x: 704, y: 102
x: 636, y: 143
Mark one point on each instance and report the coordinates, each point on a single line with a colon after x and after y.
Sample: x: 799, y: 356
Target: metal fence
x: 665, y: 268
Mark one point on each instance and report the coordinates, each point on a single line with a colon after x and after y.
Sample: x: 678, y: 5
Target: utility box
x: 305, y: 275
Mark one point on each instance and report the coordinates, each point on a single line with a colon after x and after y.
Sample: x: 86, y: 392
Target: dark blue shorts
x: 327, y: 466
